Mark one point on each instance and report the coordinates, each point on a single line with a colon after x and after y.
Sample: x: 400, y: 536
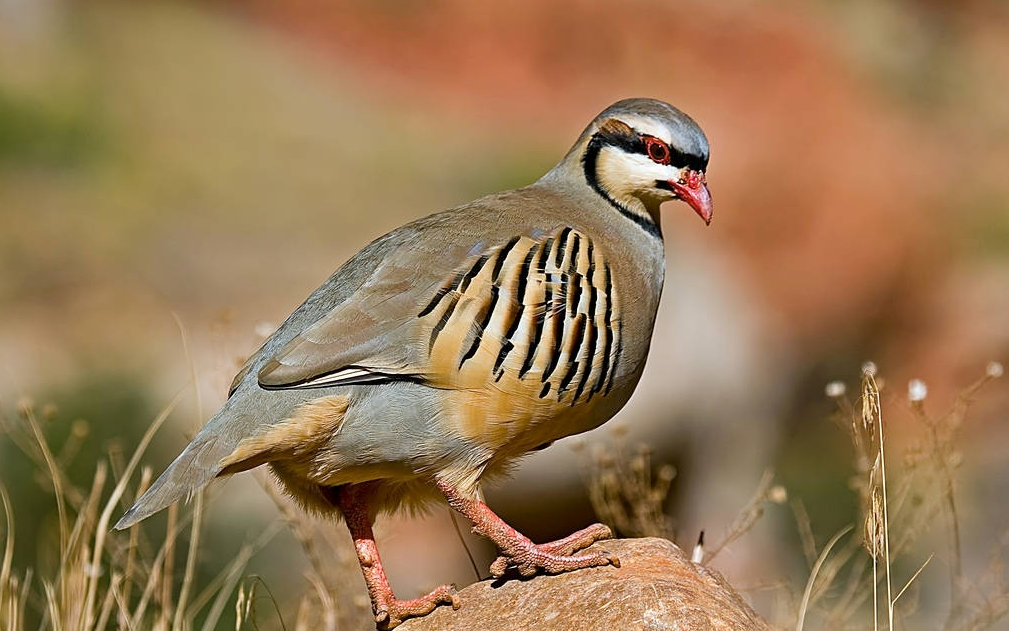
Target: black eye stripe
x: 632, y: 143
x: 676, y: 158
x: 635, y: 143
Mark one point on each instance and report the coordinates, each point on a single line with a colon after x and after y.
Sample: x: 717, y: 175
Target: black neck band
x: 589, y: 164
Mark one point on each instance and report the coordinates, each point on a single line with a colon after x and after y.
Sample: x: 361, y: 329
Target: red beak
x: 695, y: 192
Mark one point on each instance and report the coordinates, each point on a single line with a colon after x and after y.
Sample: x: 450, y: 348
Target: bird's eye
x: 657, y: 150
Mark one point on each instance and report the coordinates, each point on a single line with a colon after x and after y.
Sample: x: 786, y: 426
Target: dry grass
x: 878, y: 573
x: 112, y: 580
x: 629, y: 494
x: 626, y: 492
x: 127, y: 580
x: 103, y: 579
x: 866, y: 581
x: 106, y: 579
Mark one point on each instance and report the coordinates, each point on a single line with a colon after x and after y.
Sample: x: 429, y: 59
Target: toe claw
x: 390, y: 614
x: 450, y: 596
x: 499, y: 567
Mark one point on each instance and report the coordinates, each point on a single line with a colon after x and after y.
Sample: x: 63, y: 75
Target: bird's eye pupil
x: 657, y: 150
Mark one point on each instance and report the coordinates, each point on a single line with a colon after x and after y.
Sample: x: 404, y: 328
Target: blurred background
x: 175, y: 178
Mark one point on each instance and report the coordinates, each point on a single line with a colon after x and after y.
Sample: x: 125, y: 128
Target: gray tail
x: 196, y: 466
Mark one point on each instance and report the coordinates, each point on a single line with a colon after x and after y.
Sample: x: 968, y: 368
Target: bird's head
x: 639, y: 153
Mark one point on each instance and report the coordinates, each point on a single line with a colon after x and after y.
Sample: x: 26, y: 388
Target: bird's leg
x: 519, y: 551
x: 354, y: 503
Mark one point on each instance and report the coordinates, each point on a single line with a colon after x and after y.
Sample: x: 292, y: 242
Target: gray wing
x: 373, y: 332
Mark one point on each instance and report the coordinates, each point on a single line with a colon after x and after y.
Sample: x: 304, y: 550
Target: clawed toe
x: 528, y: 562
x: 578, y: 540
x: 557, y: 556
x: 391, y: 614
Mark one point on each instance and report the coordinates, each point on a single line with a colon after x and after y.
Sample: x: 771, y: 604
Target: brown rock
x: 655, y: 588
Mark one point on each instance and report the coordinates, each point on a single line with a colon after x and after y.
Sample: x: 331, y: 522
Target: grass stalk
x: 820, y: 560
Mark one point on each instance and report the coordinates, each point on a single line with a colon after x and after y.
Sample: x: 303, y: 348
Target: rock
x: 655, y: 588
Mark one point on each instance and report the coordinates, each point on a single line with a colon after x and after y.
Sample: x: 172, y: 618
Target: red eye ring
x: 657, y: 150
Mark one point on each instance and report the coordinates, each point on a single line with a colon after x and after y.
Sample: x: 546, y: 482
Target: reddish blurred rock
x: 655, y: 588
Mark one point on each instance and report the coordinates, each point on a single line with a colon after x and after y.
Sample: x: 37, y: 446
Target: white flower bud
x: 835, y: 389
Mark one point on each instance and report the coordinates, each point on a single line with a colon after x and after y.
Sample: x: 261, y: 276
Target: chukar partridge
x: 448, y: 348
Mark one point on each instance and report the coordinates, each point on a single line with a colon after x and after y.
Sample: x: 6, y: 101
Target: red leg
x: 519, y: 551
x: 389, y: 612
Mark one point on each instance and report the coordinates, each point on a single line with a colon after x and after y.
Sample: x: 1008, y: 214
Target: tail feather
x: 196, y: 466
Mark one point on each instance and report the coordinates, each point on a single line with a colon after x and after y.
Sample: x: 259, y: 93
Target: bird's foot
x: 556, y: 556
x: 518, y: 551
x: 390, y: 612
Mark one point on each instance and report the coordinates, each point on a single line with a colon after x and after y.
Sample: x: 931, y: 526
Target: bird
x: 436, y: 357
